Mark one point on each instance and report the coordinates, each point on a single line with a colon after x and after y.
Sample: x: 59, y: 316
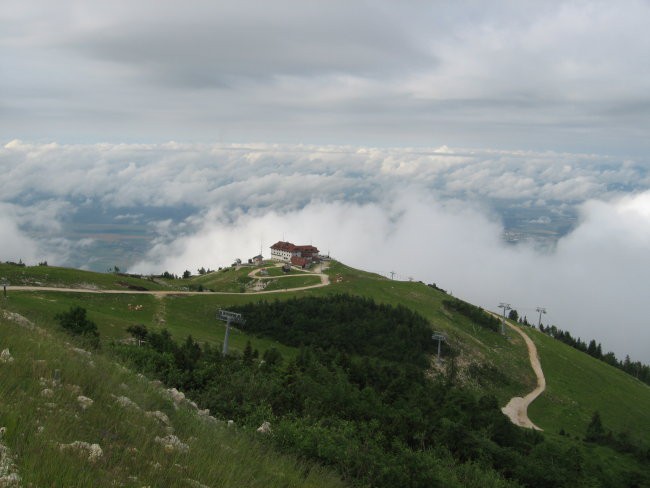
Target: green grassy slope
x: 577, y: 384
x: 73, y: 278
x: 233, y: 280
x: 226, y: 280
x: 45, y: 422
x: 475, y: 344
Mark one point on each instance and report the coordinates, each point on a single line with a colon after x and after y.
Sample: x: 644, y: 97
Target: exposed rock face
x: 9, y: 476
x: 6, y: 357
x: 126, y: 402
x: 172, y: 443
x: 93, y: 452
x: 84, y: 402
x: 176, y: 396
x: 17, y: 319
x: 162, y: 417
x: 265, y: 428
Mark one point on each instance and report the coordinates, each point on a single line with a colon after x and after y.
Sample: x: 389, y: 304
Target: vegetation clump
x: 623, y: 442
x: 345, y: 323
x: 77, y: 324
x: 51, y: 441
x: 358, y: 397
x: 475, y: 314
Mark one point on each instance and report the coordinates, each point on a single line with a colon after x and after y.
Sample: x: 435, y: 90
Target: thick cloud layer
x: 436, y: 215
x: 14, y: 243
x: 276, y: 176
x: 594, y: 284
x: 566, y: 74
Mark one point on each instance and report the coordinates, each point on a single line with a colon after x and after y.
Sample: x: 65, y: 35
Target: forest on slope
x: 369, y: 408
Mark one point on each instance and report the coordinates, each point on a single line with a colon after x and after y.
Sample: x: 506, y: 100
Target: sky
x: 399, y: 136
x: 562, y: 75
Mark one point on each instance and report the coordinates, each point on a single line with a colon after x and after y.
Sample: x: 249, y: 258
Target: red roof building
x: 288, y: 252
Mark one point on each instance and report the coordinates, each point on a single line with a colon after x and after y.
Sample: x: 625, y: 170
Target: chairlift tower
x: 541, y: 310
x: 504, y: 306
x: 229, y: 317
x: 437, y: 336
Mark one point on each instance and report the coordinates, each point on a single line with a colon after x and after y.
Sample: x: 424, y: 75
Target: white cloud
x: 594, y: 284
x: 15, y: 244
x: 263, y: 175
x: 434, y: 214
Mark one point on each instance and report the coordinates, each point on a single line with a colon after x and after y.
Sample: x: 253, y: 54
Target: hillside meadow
x: 484, y: 362
x: 76, y: 419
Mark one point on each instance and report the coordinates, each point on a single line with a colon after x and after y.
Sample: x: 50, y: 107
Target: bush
x: 76, y: 323
x: 475, y: 314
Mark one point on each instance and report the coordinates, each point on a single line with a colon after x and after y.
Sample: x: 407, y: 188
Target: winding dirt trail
x: 517, y: 408
x: 324, y: 281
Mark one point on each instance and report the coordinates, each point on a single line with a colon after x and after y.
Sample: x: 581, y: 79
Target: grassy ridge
x: 42, y: 415
x: 73, y: 278
x: 576, y: 383
x: 181, y: 315
x: 474, y: 343
x: 285, y: 283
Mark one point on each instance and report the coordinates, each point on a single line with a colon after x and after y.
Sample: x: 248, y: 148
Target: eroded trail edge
x: 517, y: 408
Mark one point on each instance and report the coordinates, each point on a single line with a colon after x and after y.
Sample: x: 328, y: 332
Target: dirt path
x: 517, y: 407
x: 324, y: 281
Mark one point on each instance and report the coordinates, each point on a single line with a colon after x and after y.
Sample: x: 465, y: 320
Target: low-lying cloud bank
x: 15, y: 244
x: 595, y: 283
x: 433, y: 214
x: 288, y: 176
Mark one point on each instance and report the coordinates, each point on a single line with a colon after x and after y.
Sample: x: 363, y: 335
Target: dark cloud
x: 215, y: 46
x: 558, y: 75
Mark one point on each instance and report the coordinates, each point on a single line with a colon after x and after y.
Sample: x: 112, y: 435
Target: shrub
x: 76, y: 323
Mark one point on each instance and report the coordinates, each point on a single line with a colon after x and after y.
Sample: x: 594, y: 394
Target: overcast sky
x: 409, y: 127
x: 562, y: 75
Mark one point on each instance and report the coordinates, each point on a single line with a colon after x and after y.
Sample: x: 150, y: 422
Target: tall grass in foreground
x: 48, y: 423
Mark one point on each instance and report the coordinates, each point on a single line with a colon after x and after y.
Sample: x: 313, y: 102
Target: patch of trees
x: 474, y: 313
x: 436, y: 287
x: 349, y: 324
x: 635, y: 368
x: 367, y: 405
x: 76, y: 323
x: 622, y: 442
